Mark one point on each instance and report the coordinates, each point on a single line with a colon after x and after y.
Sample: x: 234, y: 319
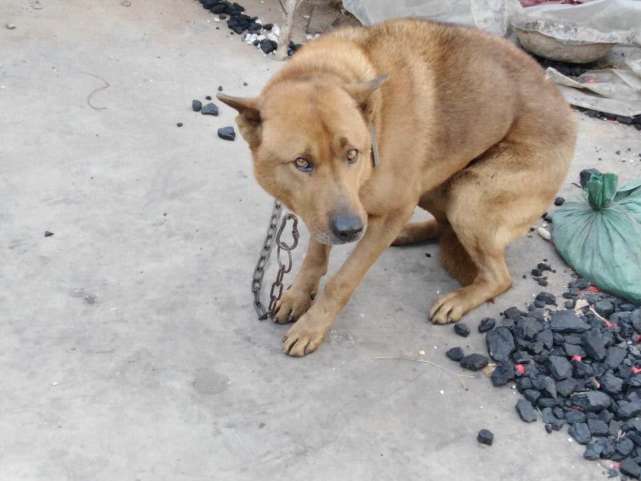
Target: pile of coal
x: 576, y: 360
x: 263, y: 36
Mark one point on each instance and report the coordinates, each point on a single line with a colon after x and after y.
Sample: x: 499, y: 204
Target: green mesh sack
x: 600, y: 235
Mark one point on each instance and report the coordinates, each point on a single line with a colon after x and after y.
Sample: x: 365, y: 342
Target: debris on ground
x: 48, y: 233
x: 461, y: 329
x: 227, y: 133
x: 263, y: 36
x: 474, y: 362
x: 455, y: 354
x: 10, y: 26
x: 578, y: 367
x: 485, y: 437
x: 196, y: 105
x: 209, y: 109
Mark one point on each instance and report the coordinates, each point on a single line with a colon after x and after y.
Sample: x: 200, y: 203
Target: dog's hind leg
x: 455, y: 258
x: 417, y: 232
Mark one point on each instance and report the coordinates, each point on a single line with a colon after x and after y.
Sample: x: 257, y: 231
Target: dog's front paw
x: 292, y: 305
x: 305, y: 336
x: 449, y: 308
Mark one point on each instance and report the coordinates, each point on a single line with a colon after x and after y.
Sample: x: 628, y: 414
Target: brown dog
x: 466, y: 127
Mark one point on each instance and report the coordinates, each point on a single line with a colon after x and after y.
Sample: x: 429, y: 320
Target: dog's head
x: 311, y: 146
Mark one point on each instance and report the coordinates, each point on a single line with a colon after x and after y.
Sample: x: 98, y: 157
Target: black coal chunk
x: 461, y: 329
x: 559, y: 201
x: 526, y: 411
x: 573, y: 350
x: 227, y: 133
x: 611, y: 384
x: 566, y: 322
x: 486, y: 325
x: 474, y: 362
x: 485, y: 437
x: 455, y: 354
x: 580, y: 433
x: 48, y: 233
x: 527, y: 328
x: 598, y: 427
x: 628, y: 409
x: 532, y: 395
x: 268, y: 46
x: 209, y: 109
x: 500, y: 343
x: 560, y: 367
x: 196, y: 105
x: 605, y: 308
x: 592, y: 401
x: 566, y: 387
x: 503, y: 374
x: 594, y: 449
x: 631, y: 468
x: 615, y: 357
x: 625, y: 446
x: 573, y: 416
x: 546, y: 297
x: 594, y: 345
x: 546, y: 338
x: 512, y: 313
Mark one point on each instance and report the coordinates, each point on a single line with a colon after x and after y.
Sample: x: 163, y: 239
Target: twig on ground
x: 96, y: 90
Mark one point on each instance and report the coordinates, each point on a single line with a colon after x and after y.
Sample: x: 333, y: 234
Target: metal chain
x: 268, y: 245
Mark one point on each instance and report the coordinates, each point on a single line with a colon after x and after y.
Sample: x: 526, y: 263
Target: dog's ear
x: 362, y: 92
x: 248, y: 120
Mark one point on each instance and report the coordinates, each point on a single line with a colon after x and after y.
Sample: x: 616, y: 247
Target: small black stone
x: 630, y: 467
x: 546, y: 297
x: 566, y: 322
x: 48, y: 233
x: 209, y: 109
x: 593, y: 401
x: 455, y: 354
x: 536, y: 273
x: 532, y: 395
x: 500, y: 343
x: 560, y: 367
x: 461, y: 329
x: 512, y: 313
x: 598, y: 427
x: 594, y: 345
x: 526, y: 411
x: 573, y: 416
x: 628, y: 409
x: 485, y: 437
x: 611, y: 384
x: 502, y: 374
x: 268, y: 46
x: 179, y: 124
x: 227, y: 133
x: 208, y: 97
x: 559, y: 201
x: 580, y: 433
x: 220, y: 88
x: 486, y: 325
x: 593, y: 450
x: 625, y: 446
x: 543, y: 282
x: 196, y: 105
x: 605, y: 308
x: 573, y: 350
x: 474, y: 362
x: 566, y: 387
x: 569, y: 304
x: 615, y: 357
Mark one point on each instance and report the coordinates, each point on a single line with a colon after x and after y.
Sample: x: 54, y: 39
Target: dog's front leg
x: 309, y: 331
x: 297, y: 299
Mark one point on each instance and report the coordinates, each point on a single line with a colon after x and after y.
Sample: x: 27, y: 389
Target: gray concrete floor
x: 129, y: 349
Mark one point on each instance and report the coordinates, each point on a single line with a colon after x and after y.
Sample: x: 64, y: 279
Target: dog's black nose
x: 346, y: 227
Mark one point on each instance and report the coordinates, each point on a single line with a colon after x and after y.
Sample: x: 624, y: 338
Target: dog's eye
x: 352, y: 155
x: 303, y: 164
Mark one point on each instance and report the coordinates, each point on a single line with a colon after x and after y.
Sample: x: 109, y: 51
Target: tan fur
x: 467, y: 126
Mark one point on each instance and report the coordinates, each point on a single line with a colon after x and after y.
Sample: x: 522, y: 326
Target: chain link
x: 284, y: 263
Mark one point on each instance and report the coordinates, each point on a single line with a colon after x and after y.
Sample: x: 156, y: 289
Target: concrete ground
x: 129, y: 349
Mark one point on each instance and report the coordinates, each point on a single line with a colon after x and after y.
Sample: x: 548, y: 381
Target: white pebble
x: 543, y: 232
x: 421, y: 353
